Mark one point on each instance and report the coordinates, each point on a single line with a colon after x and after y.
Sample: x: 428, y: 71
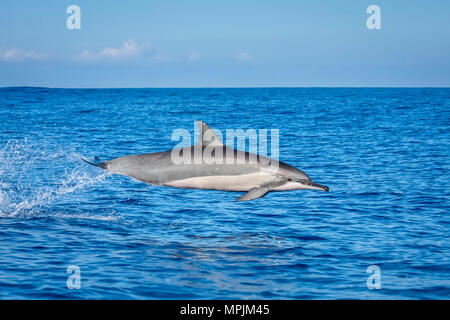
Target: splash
x: 34, y: 178
x: 69, y: 184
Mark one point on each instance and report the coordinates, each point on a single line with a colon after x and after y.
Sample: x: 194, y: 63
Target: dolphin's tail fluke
x: 100, y: 164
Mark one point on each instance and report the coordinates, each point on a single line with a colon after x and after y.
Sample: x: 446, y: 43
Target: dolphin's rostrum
x: 219, y: 168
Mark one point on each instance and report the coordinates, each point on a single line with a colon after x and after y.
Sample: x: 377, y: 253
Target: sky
x: 218, y: 43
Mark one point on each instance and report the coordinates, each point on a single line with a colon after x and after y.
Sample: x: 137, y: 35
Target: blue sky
x: 247, y: 43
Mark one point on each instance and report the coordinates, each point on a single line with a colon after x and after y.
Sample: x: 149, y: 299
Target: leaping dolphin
x: 235, y: 171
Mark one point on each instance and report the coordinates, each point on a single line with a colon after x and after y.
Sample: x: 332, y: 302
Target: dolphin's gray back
x: 159, y: 168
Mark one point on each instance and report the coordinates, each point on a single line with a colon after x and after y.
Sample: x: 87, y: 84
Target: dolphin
x: 214, y: 166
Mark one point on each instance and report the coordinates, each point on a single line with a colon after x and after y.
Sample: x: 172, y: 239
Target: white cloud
x: 243, y: 56
x: 86, y: 55
x: 14, y: 54
x: 194, y: 56
x: 128, y: 49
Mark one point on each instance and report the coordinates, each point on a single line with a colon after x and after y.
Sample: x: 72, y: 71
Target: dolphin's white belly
x: 243, y: 182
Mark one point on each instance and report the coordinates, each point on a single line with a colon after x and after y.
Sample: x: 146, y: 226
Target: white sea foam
x: 25, y: 187
x: 75, y: 181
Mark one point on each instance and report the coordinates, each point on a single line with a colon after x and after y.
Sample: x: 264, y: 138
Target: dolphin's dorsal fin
x: 207, y: 136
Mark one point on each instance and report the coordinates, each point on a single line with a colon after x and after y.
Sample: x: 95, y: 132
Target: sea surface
x: 384, y: 154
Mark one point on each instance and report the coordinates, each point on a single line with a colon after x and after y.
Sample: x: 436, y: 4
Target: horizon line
x: 237, y: 87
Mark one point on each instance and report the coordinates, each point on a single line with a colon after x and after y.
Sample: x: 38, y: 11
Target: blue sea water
x: 384, y: 153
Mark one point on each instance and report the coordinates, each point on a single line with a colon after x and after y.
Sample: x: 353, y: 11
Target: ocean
x: 70, y: 231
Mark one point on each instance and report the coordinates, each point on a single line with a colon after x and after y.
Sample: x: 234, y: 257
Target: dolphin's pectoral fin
x: 254, y: 193
x: 260, y: 191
